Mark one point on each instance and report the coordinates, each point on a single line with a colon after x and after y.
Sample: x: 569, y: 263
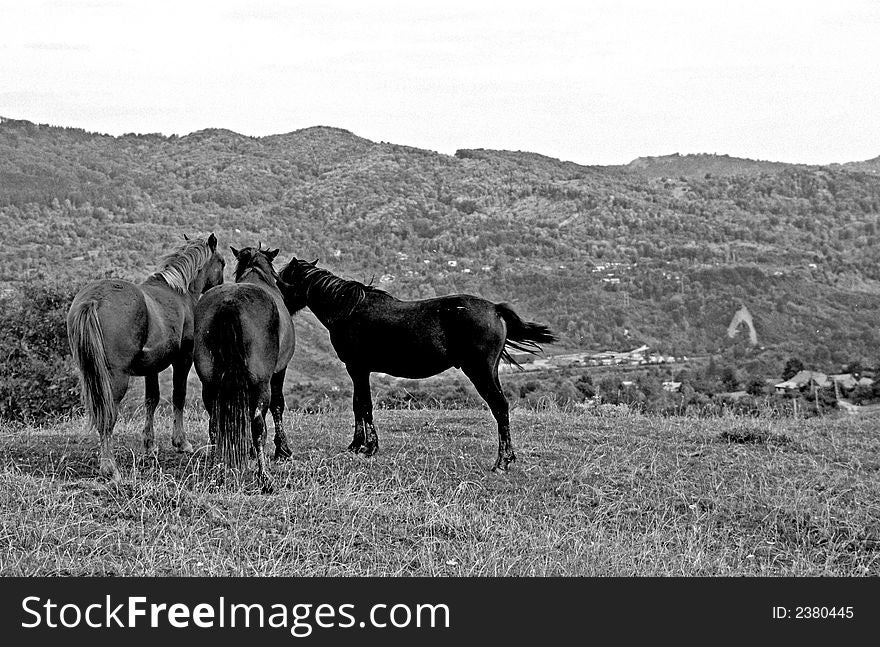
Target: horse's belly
x: 154, y: 359
x: 410, y: 366
x: 416, y: 373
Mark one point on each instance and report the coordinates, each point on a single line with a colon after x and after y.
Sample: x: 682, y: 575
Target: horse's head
x: 293, y: 282
x: 257, y: 259
x: 211, y: 273
x: 194, y: 268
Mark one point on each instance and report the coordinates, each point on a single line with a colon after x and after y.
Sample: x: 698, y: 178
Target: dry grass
x: 591, y: 495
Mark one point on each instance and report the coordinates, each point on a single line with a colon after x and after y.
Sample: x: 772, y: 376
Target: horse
x: 118, y: 329
x: 373, y: 331
x: 244, y: 339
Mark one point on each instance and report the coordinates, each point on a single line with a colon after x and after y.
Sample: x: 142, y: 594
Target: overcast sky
x: 591, y: 82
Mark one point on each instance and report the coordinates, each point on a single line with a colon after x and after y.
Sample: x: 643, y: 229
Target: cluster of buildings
x: 814, y: 379
x: 636, y: 357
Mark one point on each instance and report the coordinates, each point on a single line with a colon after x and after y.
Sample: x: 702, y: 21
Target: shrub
x: 37, y: 377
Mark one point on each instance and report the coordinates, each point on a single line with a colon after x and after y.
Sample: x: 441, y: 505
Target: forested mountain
x: 662, y: 251
x: 702, y: 165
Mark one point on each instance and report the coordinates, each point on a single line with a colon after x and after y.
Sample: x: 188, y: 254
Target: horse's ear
x: 185, y: 237
x: 212, y: 242
x: 270, y: 254
x: 234, y: 251
x: 315, y: 262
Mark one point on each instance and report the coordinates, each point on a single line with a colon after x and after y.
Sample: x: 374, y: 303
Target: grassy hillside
x: 682, y: 242
x: 601, y: 493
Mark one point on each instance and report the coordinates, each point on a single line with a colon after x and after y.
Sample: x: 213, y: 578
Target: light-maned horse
x: 373, y: 331
x: 244, y: 339
x: 118, y: 329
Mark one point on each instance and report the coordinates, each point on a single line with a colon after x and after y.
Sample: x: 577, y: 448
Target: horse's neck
x: 257, y: 276
x: 324, y: 314
x: 196, y: 287
x: 327, y: 310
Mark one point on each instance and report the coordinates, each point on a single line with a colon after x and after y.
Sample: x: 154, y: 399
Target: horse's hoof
x: 184, y: 448
x: 354, y: 448
x: 111, y: 473
x: 267, y: 486
x: 502, y: 466
x: 370, y: 450
x: 151, y: 451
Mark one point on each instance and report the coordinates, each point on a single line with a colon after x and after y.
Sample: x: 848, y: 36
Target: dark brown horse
x: 373, y: 331
x: 118, y: 329
x: 244, y: 339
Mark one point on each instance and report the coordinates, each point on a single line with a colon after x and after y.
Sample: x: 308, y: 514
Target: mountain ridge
x: 640, y: 163
x: 678, y: 252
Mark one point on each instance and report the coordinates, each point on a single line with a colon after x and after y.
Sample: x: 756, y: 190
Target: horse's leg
x: 276, y: 405
x: 151, y: 401
x: 372, y: 444
x: 485, y: 380
x: 357, y: 441
x: 363, y: 404
x: 106, y: 462
x: 259, y: 406
x: 180, y: 373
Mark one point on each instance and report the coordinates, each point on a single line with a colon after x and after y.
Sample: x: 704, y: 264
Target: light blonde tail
x: 87, y: 346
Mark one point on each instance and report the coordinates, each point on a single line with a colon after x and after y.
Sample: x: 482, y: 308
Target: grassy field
x: 593, y: 494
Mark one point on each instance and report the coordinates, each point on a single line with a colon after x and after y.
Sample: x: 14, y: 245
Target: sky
x: 594, y: 82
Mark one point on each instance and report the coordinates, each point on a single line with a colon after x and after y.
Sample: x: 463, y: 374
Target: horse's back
x: 246, y: 316
x: 452, y: 315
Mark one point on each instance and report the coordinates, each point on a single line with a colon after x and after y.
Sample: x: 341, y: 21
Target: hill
x: 610, y: 257
x: 867, y: 166
x: 702, y: 165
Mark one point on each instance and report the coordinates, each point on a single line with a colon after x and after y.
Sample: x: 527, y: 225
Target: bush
x: 37, y: 378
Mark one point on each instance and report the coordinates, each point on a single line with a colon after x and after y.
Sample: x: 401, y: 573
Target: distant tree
x: 566, y: 392
x: 862, y: 394
x: 609, y: 389
x: 729, y: 378
x: 584, y: 384
x: 755, y: 386
x: 792, y: 367
x: 855, y: 368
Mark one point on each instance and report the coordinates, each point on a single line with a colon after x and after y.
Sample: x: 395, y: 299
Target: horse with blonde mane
x: 118, y: 329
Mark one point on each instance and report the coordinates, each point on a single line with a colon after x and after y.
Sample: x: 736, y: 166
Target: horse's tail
x: 231, y: 405
x: 86, y: 340
x: 522, y: 335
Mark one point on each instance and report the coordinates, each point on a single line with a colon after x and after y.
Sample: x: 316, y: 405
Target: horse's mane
x: 179, y: 268
x: 251, y: 259
x: 324, y: 289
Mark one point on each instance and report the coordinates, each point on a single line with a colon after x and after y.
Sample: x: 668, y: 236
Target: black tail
x: 231, y: 407
x: 523, y: 336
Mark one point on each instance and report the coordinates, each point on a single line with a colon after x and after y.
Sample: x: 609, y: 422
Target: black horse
x: 244, y: 339
x: 373, y: 331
